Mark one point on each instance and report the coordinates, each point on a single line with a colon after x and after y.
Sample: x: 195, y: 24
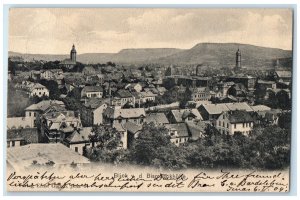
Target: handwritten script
x: 202, y: 181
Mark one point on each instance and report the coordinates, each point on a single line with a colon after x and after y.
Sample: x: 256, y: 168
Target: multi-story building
x: 92, y: 112
x: 54, y: 125
x: 238, y: 121
x: 200, y: 94
x: 92, y: 92
x: 38, y: 90
x: 116, y: 116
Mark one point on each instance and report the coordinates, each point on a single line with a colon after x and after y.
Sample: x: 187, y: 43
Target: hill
x: 208, y: 54
x: 223, y: 54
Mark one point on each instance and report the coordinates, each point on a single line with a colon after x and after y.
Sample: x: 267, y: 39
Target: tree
x: 283, y: 99
x: 52, y: 86
x: 106, y: 143
x: 185, y: 98
x: 260, y: 91
x: 145, y: 147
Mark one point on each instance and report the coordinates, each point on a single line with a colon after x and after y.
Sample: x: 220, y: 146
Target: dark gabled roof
x: 80, y: 135
x: 92, y: 89
x: 45, y: 104
x: 181, y: 129
x: 284, y: 74
x: 157, y: 118
x: 95, y: 103
x: 239, y: 116
x: 114, y: 113
x: 30, y: 135
x: 123, y: 94
x: 132, y: 127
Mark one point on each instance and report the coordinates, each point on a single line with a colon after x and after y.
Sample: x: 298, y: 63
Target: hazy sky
x: 54, y: 30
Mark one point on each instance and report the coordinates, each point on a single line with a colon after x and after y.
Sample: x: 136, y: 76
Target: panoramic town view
x: 213, y: 105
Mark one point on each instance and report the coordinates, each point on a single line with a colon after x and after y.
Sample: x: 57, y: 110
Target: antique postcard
x: 149, y: 99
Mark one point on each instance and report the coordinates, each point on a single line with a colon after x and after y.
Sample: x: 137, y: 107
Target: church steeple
x: 238, y: 59
x: 73, y: 54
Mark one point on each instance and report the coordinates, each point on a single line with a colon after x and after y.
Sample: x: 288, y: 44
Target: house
x: 92, y: 92
x: 232, y: 122
x: 20, y: 137
x: 183, y: 115
x: 213, y: 111
x: 92, y: 111
x: 123, y: 97
x: 56, y: 124
x: 23, y: 157
x: 178, y: 132
x: 117, y: 115
x: 78, y: 140
x: 200, y: 94
x: 157, y: 118
x: 34, y: 111
x: 147, y: 96
x: 38, y: 89
x: 283, y: 76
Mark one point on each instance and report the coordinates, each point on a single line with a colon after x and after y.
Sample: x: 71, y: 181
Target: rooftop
x: 24, y: 156
x: 239, y: 116
x: 44, y: 105
x: 112, y: 112
x: 223, y: 107
x: 157, y: 118
x: 80, y: 135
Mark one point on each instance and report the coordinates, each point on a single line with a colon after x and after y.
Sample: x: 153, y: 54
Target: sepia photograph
x: 149, y: 99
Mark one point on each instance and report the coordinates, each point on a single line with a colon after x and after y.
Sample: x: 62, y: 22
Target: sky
x: 108, y: 30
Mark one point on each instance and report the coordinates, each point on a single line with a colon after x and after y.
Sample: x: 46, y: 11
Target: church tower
x: 73, y: 54
x: 238, y: 60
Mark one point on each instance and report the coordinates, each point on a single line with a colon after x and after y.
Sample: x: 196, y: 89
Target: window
x: 13, y: 143
x: 76, y: 149
x: 120, y: 120
x: 34, y: 114
x: 234, y: 125
x: 227, y: 125
x: 29, y: 114
x: 243, y: 125
x: 223, y: 124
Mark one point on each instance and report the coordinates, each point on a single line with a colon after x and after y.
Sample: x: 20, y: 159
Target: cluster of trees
x: 279, y: 100
x: 175, y: 94
x: 266, y: 148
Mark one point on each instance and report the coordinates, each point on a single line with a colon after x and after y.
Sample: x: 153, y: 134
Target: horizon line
x: 154, y: 48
